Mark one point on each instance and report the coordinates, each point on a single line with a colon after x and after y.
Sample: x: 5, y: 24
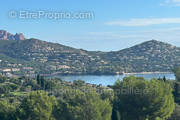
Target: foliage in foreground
x: 83, y: 106
x: 36, y: 106
x: 143, y: 100
x: 133, y: 98
x: 176, y: 113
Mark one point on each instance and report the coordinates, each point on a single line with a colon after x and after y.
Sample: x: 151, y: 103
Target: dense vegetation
x: 133, y: 98
x: 34, y: 56
x: 143, y: 100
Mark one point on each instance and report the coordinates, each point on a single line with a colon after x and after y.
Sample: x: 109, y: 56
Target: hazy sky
x: 114, y: 24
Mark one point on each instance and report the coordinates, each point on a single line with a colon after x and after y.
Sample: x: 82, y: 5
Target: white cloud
x: 114, y: 35
x: 144, y: 21
x: 119, y: 39
x: 160, y: 33
x: 170, y: 35
x: 171, y: 2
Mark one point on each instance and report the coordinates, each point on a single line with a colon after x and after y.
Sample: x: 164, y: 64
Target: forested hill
x: 35, y: 56
x: 149, y: 56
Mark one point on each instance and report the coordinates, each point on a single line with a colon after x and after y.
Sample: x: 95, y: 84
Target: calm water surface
x: 110, y: 79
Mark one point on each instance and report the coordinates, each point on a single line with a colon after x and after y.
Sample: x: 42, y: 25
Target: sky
x: 104, y: 25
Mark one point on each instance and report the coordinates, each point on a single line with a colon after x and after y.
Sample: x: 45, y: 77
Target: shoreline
x: 147, y: 73
x: 133, y: 73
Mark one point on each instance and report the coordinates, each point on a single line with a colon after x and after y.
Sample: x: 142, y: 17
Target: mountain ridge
x: 33, y: 56
x: 4, y: 35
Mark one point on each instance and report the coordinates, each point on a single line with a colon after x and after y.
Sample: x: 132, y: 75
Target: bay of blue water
x: 111, y: 79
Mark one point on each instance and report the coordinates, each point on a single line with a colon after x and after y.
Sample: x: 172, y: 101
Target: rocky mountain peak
x: 4, y: 35
x: 19, y: 36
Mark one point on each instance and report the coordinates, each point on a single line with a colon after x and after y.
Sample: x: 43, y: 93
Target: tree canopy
x: 143, y: 99
x: 37, y: 106
x: 79, y: 105
x: 177, y: 73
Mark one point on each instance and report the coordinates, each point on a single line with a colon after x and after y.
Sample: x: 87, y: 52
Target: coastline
x: 147, y: 73
x: 57, y: 74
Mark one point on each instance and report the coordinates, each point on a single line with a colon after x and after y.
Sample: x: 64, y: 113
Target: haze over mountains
x: 31, y: 56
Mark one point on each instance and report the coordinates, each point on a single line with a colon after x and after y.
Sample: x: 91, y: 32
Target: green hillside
x: 34, y: 56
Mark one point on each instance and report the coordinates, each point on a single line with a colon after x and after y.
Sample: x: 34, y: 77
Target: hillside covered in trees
x: 133, y: 98
x: 33, y: 56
